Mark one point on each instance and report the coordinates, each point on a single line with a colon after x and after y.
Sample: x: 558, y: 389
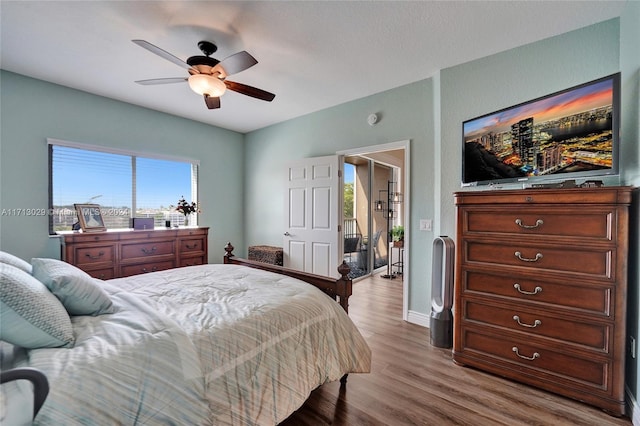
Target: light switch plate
x: 426, y: 224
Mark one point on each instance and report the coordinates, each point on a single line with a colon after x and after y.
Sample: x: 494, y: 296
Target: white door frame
x: 405, y: 145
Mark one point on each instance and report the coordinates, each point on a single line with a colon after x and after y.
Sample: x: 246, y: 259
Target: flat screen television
x: 566, y: 135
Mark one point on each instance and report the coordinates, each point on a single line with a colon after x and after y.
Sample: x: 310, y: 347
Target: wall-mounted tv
x: 565, y: 135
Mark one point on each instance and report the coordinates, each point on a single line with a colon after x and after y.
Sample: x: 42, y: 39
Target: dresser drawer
x: 191, y: 245
x: 594, y: 335
x: 594, y: 262
x: 192, y: 232
x: 527, y: 358
x: 588, y: 223
x: 94, y: 254
x: 192, y: 261
x: 580, y: 296
x: 88, y: 237
x: 103, y: 274
x: 148, y: 249
x: 147, y: 267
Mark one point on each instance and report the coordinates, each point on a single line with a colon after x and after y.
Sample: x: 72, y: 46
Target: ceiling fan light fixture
x: 204, y: 84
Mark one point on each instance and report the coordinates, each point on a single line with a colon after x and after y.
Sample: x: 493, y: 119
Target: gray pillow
x: 80, y: 293
x: 30, y: 316
x: 12, y: 260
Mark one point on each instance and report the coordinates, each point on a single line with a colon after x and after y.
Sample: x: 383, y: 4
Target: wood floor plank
x: 414, y: 383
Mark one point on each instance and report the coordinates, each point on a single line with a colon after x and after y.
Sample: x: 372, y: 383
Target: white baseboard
x: 632, y: 405
x: 418, y: 318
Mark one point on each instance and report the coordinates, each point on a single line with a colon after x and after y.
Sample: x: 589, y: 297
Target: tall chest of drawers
x: 121, y: 253
x: 541, y: 284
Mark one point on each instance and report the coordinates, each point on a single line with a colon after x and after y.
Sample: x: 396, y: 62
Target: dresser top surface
x: 599, y: 195
x: 116, y: 234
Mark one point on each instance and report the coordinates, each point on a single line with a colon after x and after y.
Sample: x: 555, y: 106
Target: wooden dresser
x: 120, y: 253
x: 541, y: 285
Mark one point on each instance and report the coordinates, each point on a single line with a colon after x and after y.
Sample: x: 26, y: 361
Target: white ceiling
x: 312, y: 54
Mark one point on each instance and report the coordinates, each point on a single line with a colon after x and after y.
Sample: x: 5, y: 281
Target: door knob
x: 287, y: 234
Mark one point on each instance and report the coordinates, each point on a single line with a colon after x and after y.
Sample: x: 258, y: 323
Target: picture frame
x: 90, y: 217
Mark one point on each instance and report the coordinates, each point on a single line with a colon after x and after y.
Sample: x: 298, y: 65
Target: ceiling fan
x: 207, y: 75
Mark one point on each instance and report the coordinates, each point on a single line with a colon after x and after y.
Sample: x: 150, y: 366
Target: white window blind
x: 125, y: 185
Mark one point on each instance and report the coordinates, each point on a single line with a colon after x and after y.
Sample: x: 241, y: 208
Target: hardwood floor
x: 413, y: 383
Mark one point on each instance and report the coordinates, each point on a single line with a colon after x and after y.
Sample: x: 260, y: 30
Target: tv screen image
x: 564, y: 135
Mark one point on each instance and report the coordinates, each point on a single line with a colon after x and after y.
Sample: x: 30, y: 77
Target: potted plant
x: 186, y: 209
x: 397, y: 235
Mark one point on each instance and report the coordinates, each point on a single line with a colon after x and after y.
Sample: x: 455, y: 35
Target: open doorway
x: 374, y: 213
x: 393, y: 160
x: 364, y: 235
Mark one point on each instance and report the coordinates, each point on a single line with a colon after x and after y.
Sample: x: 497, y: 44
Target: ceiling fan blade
x: 249, y: 91
x: 212, y: 102
x: 236, y: 63
x: 162, y: 53
x: 162, y: 81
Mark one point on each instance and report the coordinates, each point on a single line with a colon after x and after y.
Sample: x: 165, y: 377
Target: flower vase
x: 186, y: 220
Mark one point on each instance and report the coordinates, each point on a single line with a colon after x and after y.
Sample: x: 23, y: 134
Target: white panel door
x: 313, y: 214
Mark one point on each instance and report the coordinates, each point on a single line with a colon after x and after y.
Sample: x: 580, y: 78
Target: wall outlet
x: 426, y: 224
x: 632, y: 346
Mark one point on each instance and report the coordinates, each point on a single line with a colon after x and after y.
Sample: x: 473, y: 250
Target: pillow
x: 30, y: 316
x: 12, y: 260
x: 78, y: 291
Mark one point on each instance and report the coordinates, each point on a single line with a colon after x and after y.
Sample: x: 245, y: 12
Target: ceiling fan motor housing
x: 208, y: 49
x: 202, y: 60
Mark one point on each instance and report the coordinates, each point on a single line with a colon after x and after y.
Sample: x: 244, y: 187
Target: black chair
x: 37, y: 377
x: 351, y: 244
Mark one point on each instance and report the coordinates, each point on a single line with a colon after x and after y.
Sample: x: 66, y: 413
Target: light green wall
x: 33, y: 110
x: 406, y: 113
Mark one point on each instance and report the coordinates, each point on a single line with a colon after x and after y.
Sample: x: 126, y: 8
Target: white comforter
x: 210, y: 344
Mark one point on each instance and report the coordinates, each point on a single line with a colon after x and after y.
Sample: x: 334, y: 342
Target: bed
x: 239, y: 343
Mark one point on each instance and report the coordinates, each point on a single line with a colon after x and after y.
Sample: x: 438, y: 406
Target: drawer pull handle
x: 527, y: 259
x: 535, y: 290
x: 528, y: 358
x: 191, y: 247
x: 100, y: 254
x: 145, y: 270
x: 534, y: 325
x: 539, y: 222
x: 145, y: 251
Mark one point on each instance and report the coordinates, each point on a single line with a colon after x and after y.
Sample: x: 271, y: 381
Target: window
x: 124, y: 184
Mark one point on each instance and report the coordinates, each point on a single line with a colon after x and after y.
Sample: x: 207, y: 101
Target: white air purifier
x: 441, y: 322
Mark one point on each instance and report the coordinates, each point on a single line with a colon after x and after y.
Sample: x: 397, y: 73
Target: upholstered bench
x: 266, y: 254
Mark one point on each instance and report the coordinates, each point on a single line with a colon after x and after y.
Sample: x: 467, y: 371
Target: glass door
x: 356, y: 215
x: 366, y: 232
